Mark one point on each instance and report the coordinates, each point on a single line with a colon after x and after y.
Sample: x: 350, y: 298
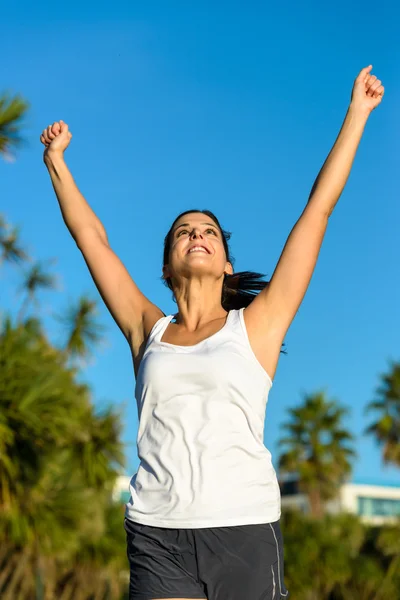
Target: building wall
x: 374, y: 504
x: 121, y: 489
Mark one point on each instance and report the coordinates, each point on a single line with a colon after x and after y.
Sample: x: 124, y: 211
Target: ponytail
x: 241, y: 288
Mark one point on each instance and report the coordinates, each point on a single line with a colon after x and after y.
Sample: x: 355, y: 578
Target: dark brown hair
x: 238, y: 289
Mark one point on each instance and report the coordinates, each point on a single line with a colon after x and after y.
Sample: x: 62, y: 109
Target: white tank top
x: 203, y: 462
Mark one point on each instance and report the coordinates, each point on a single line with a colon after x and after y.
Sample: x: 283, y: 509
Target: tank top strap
x: 241, y: 325
x: 236, y: 323
x: 158, y: 329
x: 233, y: 320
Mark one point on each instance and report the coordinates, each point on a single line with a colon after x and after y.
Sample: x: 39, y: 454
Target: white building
x: 121, y: 489
x: 374, y: 503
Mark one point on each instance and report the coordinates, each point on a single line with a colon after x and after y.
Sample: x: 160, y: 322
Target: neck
x: 199, y: 302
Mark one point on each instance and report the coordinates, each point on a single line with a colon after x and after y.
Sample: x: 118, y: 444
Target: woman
x: 203, y: 518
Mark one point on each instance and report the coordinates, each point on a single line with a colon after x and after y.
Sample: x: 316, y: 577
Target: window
x: 124, y: 497
x: 374, y: 507
x: 289, y: 488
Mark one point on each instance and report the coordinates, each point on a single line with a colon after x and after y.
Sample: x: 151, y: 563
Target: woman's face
x: 196, y: 248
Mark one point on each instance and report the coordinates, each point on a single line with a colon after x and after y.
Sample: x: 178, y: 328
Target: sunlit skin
x: 197, y: 277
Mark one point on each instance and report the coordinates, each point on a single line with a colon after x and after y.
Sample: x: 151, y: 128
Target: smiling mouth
x: 199, y: 249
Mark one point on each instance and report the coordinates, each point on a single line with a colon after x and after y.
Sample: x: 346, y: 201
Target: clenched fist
x: 56, y: 138
x: 367, y: 91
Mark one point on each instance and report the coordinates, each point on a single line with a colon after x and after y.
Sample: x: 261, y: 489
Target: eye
x: 181, y: 231
x: 212, y: 231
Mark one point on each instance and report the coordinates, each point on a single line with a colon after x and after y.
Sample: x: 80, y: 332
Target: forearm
x: 76, y: 212
x: 333, y: 176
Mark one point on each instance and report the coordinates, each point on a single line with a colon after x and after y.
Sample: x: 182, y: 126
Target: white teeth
x: 197, y: 249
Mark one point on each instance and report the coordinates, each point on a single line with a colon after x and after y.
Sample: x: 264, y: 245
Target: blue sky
x: 228, y: 106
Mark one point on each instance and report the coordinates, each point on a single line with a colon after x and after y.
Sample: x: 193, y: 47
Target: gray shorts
x: 217, y: 563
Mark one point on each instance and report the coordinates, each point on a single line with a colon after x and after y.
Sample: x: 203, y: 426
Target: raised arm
x: 270, y: 314
x: 131, y: 310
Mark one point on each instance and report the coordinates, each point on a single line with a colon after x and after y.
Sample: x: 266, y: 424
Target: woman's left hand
x: 367, y: 91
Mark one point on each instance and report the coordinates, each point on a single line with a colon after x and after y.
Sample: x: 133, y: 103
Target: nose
x: 196, y: 233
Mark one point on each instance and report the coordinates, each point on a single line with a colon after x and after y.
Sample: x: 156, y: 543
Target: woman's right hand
x: 56, y: 138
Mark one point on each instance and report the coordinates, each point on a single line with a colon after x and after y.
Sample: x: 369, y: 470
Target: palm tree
x: 58, y: 463
x: 96, y: 448
x: 60, y: 536
x: 82, y: 327
x: 36, y: 394
x: 12, y: 110
x: 11, y: 250
x: 316, y: 448
x: 99, y: 568
x: 386, y: 428
x: 36, y: 278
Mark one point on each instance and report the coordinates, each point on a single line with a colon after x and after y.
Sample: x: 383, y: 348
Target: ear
x: 166, y: 272
x: 228, y: 269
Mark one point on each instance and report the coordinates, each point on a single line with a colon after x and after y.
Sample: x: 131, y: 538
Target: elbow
x: 320, y: 210
x: 89, y: 233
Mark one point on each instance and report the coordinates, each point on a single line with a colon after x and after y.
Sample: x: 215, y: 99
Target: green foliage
x: 58, y: 463
x: 386, y: 429
x: 338, y: 558
x: 61, y: 536
x: 12, y: 111
x: 35, y: 278
x: 317, y: 553
x: 10, y: 249
x: 84, y: 332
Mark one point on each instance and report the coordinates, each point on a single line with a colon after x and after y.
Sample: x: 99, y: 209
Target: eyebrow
x: 188, y: 225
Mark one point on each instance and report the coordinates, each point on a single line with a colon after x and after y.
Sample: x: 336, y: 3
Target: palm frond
x: 12, y: 111
x: 83, y: 329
